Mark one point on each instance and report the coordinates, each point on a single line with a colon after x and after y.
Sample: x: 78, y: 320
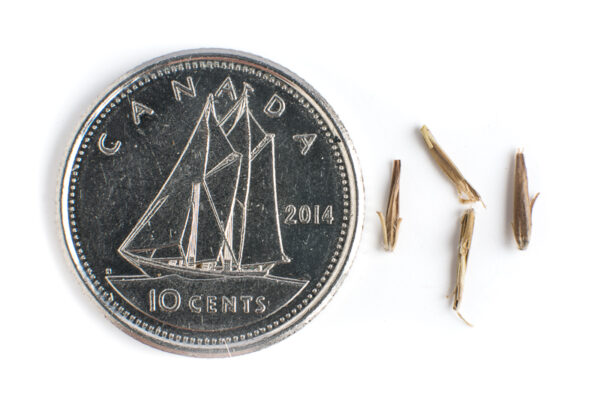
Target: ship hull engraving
x: 203, y: 302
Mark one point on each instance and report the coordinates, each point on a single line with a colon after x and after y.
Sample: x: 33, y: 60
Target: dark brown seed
x: 523, y: 204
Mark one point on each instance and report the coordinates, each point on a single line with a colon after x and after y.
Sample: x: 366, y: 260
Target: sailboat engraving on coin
x: 199, y: 223
x: 211, y: 202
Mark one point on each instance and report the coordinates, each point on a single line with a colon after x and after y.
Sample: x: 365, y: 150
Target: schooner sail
x: 217, y: 211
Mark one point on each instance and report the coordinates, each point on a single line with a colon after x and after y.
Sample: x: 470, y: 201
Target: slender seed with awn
x: 466, y: 193
x: 466, y: 234
x: 391, y: 222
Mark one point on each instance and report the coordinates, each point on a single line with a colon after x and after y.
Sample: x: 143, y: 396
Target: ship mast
x: 190, y: 257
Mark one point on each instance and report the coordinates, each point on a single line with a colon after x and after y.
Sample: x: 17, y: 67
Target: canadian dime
x: 211, y: 202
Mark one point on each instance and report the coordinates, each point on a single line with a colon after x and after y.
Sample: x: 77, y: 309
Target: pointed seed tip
x: 462, y: 318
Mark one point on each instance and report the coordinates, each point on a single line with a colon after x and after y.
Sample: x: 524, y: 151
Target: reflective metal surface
x: 211, y: 202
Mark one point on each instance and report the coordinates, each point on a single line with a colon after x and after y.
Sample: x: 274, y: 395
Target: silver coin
x: 211, y: 202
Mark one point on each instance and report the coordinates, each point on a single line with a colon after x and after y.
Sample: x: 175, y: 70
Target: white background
x: 486, y: 77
